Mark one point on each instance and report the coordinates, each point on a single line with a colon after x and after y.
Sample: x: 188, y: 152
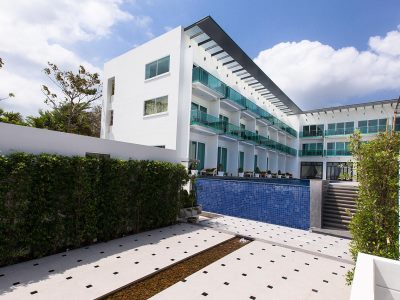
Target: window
x: 197, y: 151
x: 196, y: 106
x: 111, y: 117
x: 156, y: 106
x: 311, y: 170
x: 313, y: 130
x: 372, y: 126
x: 337, y: 170
x: 312, y: 149
x: 362, y: 126
x: 157, y: 67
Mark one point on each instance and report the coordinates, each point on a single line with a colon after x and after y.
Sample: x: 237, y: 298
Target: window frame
x: 155, y: 106
x: 157, y: 63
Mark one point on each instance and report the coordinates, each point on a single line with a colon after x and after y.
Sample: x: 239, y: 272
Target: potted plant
x: 257, y: 172
x: 193, y: 165
x: 279, y: 174
x: 269, y: 174
x: 221, y: 170
x: 240, y: 172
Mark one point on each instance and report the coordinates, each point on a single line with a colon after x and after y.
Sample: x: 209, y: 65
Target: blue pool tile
x: 281, y: 204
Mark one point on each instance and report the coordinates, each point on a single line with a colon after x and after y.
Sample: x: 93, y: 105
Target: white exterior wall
x: 15, y: 138
x: 131, y: 90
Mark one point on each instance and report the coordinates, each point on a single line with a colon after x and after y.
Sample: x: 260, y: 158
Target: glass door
x: 201, y: 153
x: 241, y: 160
x: 223, y: 157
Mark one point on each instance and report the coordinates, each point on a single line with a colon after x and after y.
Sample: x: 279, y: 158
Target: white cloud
x: 34, y: 32
x: 316, y: 75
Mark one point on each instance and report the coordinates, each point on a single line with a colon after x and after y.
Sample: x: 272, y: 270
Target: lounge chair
x: 209, y: 172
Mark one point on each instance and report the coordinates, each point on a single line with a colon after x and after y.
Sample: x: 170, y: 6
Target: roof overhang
x: 380, y: 103
x: 209, y: 35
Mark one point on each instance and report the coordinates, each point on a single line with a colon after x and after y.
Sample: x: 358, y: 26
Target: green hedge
x: 49, y: 203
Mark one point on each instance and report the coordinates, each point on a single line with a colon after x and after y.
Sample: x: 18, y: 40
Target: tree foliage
x: 85, y: 123
x: 10, y: 95
x: 73, y: 106
x: 11, y: 117
x: 374, y: 227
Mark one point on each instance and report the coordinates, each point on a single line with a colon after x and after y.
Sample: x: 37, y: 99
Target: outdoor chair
x: 209, y: 172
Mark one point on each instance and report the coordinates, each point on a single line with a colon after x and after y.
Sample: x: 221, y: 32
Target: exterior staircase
x: 339, y: 200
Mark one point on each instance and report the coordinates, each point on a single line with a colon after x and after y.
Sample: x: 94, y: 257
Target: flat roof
x: 356, y: 105
x: 209, y: 35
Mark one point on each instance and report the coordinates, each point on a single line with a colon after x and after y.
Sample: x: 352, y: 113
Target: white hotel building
x: 194, y: 90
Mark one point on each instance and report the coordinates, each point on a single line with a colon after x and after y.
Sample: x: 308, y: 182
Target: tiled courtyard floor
x: 321, y: 244
x: 282, y: 263
x: 269, y: 267
x: 90, y: 272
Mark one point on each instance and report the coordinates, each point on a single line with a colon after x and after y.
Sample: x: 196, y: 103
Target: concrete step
x: 338, y: 211
x: 328, y: 224
x: 338, y: 217
x: 342, y: 194
x: 339, y: 202
x: 336, y: 208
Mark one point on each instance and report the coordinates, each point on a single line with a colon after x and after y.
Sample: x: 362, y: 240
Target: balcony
x: 317, y: 152
x: 373, y: 129
x: 339, y: 132
x: 211, y: 83
x: 220, y: 127
x: 200, y: 118
x: 236, y: 98
x: 337, y: 152
x: 306, y: 134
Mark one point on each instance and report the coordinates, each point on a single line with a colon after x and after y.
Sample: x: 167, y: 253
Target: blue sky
x: 320, y: 53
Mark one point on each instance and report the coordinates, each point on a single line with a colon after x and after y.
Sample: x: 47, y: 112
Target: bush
x: 374, y: 227
x: 49, y: 203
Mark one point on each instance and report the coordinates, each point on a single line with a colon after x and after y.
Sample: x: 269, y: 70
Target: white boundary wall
x: 376, y: 278
x: 14, y: 138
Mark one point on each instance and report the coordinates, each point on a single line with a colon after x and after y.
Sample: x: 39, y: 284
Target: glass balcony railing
x: 221, y: 127
x: 236, y: 97
x: 372, y: 129
x: 315, y: 152
x: 339, y: 131
x: 306, y: 134
x: 337, y: 152
x: 231, y: 130
x: 210, y: 81
x: 200, y: 118
x: 249, y: 136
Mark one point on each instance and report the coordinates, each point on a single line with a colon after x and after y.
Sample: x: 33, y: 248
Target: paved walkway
x: 90, y: 272
x: 321, y: 244
x: 265, y: 270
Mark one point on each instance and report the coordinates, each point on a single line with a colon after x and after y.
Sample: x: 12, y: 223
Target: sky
x: 320, y: 53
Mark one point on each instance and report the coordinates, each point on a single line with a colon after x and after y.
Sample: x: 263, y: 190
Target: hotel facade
x: 194, y: 90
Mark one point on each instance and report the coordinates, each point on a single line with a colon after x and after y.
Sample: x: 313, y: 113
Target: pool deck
x: 281, y: 263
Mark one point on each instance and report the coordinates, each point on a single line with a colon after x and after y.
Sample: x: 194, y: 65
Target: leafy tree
x: 79, y: 93
x: 85, y: 123
x: 374, y: 227
x: 11, y: 117
x: 10, y: 95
